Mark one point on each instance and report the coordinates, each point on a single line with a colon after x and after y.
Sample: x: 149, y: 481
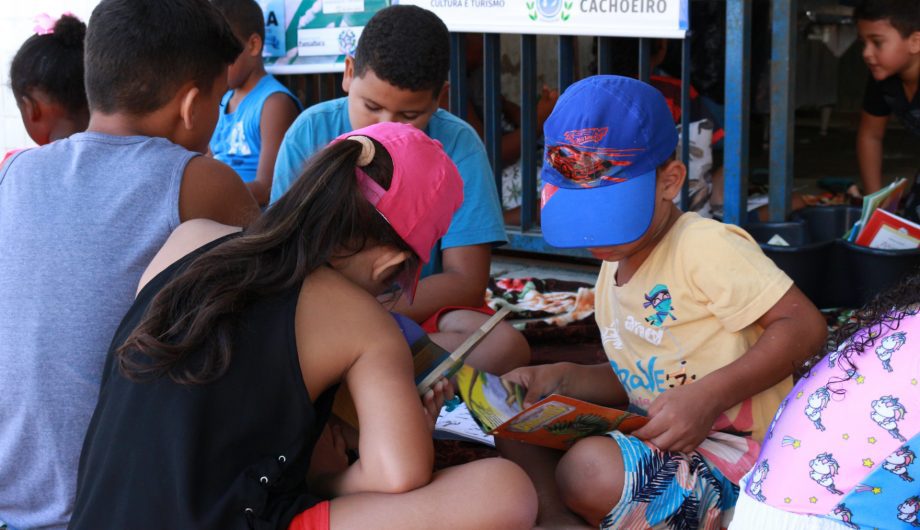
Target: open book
x: 886, y: 198
x: 554, y: 421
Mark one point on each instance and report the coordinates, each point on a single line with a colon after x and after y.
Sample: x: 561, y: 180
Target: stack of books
x: 877, y: 227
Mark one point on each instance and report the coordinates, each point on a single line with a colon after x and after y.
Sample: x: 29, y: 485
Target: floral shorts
x: 669, y: 490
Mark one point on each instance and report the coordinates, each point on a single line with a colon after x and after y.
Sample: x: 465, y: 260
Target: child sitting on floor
x: 397, y: 75
x: 702, y: 331
x: 841, y: 451
x: 257, y: 111
x: 81, y: 217
x: 46, y: 76
x: 216, y: 411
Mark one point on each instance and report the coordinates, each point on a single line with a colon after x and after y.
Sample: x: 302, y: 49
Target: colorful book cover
x: 555, y: 421
x: 889, y: 231
x: 886, y: 198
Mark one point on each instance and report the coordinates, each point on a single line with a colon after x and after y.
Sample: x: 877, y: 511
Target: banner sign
x: 601, y: 18
x: 314, y: 36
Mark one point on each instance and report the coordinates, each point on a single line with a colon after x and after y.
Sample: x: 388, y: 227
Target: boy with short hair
x: 82, y: 217
x: 398, y: 74
x: 257, y: 110
x: 702, y: 331
x: 890, y: 33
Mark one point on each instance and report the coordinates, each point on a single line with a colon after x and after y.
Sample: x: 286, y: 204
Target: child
x: 366, y: 214
x: 46, y: 76
x: 702, y: 331
x: 82, y: 216
x: 257, y: 110
x: 398, y: 74
x: 841, y: 450
x: 890, y: 33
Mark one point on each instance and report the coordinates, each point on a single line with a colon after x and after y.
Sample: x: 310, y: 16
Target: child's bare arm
x: 594, y: 383
x: 683, y: 416
x: 869, y: 150
x: 211, y: 190
x: 278, y: 113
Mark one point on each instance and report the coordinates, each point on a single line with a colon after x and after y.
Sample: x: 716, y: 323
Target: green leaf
x: 565, y: 16
x: 568, y: 5
x: 533, y: 16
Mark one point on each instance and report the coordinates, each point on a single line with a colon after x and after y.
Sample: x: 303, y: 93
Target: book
x: 886, y: 198
x: 430, y: 361
x: 889, y: 231
x: 555, y: 421
x: 458, y: 424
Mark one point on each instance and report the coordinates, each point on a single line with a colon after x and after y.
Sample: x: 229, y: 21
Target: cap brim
x: 599, y: 217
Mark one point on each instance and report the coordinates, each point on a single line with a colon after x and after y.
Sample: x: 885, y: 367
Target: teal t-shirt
x: 479, y: 219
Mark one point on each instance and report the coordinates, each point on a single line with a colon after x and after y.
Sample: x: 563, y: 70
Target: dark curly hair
x: 903, y: 15
x: 244, y: 16
x: 406, y: 46
x: 53, y: 63
x: 139, y: 53
x: 881, y: 315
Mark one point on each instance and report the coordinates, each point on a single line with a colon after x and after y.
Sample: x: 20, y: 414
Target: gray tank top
x: 80, y: 219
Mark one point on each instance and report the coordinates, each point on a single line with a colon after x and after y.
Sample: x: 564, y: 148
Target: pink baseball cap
x: 425, y: 191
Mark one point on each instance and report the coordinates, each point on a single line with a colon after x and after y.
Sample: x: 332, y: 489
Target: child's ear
x: 188, y: 97
x: 254, y: 44
x: 349, y: 73
x: 671, y: 179
x: 913, y: 42
x: 387, y: 262
x: 31, y: 109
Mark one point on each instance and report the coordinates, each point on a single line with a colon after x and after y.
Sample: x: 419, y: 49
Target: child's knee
x: 507, y: 489
x: 590, y: 477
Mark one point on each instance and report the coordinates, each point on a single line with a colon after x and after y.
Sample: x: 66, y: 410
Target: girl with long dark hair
x: 221, y: 376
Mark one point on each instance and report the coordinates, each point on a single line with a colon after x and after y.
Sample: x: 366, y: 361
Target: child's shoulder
x: 457, y: 136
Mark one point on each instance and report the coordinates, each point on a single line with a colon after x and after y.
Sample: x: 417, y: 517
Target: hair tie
x: 44, y: 24
x: 367, y: 150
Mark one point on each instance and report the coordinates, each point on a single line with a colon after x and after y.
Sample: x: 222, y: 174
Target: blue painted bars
x: 782, y: 107
x: 737, y: 108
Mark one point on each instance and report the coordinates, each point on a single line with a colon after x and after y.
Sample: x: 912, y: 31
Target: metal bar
x: 534, y: 242
x: 566, y: 61
x: 737, y: 108
x: 492, y: 120
x: 458, y: 81
x: 645, y: 59
x: 782, y: 107
x: 685, y: 117
x: 337, y: 85
x: 604, y: 55
x: 528, y: 130
x: 325, y: 89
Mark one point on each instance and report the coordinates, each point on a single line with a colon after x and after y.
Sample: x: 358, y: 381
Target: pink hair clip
x: 44, y: 24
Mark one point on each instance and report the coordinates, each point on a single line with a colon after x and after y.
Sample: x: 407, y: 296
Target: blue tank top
x: 237, y: 139
x: 80, y: 219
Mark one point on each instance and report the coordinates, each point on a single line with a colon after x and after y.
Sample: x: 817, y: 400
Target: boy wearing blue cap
x: 701, y: 330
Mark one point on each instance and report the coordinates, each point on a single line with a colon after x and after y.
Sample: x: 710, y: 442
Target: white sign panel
x: 327, y: 41
x: 622, y: 18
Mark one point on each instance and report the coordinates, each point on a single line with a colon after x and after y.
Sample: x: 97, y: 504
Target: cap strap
x: 372, y: 191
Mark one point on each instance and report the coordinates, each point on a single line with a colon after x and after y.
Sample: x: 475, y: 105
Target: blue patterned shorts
x: 669, y: 490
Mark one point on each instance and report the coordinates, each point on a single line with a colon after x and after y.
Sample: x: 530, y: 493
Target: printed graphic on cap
x: 589, y: 166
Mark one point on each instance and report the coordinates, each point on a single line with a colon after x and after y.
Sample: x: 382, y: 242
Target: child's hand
x: 681, y: 418
x: 434, y: 399
x: 540, y: 381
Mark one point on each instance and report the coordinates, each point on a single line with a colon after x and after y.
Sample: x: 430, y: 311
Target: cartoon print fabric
x: 690, y: 309
x: 843, y: 444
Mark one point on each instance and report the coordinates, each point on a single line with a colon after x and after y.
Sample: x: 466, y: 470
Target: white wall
x: 16, y: 25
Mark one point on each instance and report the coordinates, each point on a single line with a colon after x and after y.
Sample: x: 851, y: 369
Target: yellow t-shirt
x: 689, y: 310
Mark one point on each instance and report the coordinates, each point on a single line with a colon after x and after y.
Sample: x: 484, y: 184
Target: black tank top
x: 231, y: 454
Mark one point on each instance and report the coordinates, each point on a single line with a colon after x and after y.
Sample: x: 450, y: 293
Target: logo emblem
x: 347, y: 42
x: 585, y: 136
x: 549, y: 10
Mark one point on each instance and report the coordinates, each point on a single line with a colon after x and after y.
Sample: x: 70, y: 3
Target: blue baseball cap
x: 604, y: 140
